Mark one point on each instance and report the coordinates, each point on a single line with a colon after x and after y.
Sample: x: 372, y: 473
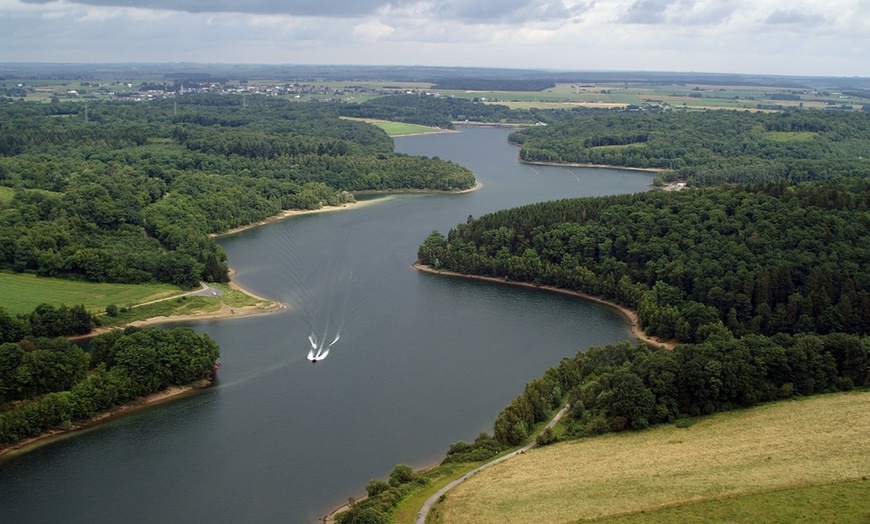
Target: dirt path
x: 631, y: 315
x: 424, y: 511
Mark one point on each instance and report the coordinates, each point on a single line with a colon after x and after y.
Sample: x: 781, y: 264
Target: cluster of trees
x: 713, y: 147
x: 46, y: 321
x: 130, y: 192
x: 621, y: 386
x: 48, y: 383
x: 383, y: 496
x: 770, y: 259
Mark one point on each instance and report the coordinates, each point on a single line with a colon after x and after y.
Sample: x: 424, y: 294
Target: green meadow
x: 21, y: 293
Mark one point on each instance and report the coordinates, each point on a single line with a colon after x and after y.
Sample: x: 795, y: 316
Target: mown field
x: 721, y: 468
x: 21, y: 293
x: 399, y: 128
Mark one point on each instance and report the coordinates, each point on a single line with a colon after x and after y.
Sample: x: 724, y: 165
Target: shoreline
x: 600, y: 166
x: 158, y: 397
x: 630, y: 315
x: 287, y: 213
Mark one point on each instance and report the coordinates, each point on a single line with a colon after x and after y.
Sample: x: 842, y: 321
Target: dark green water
x: 422, y: 361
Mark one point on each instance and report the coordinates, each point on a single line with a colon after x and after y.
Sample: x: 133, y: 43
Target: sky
x: 780, y: 37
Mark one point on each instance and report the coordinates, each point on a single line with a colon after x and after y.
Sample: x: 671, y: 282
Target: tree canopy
x: 130, y: 192
x: 770, y: 259
x: 711, y: 147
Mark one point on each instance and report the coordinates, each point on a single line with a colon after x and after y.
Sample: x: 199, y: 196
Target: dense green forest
x: 129, y: 192
x: 48, y: 383
x: 770, y: 259
x: 711, y: 147
x: 442, y: 111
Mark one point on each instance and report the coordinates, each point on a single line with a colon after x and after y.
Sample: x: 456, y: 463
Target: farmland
x: 23, y: 292
x: 771, y: 452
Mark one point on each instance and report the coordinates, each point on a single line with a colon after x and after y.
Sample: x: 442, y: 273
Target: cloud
x: 462, y: 10
x: 647, y: 12
x: 793, y: 17
x: 679, y: 12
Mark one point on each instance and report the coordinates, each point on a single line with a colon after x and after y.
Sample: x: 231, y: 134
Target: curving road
x: 424, y: 511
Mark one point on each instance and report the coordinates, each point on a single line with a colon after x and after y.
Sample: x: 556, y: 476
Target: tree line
x: 51, y: 383
x: 443, y: 111
x: 46, y: 320
x: 130, y: 192
x: 711, y: 147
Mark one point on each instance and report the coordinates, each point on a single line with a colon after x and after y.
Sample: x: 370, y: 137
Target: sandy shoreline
x: 602, y: 166
x: 629, y: 314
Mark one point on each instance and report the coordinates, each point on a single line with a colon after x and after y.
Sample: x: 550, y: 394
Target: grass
x: 775, y: 448
x: 844, y: 503
x: 187, y: 305
x: 437, y: 478
x: 398, y: 128
x: 789, y: 136
x: 23, y: 292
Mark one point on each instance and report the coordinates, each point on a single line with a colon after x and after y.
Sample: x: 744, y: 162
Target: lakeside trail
x: 431, y: 501
x: 629, y: 314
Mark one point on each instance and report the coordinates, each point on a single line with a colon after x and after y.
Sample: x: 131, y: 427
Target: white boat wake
x: 320, y: 352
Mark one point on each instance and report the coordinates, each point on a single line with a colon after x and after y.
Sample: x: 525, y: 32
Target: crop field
x: 771, y: 452
x: 22, y: 293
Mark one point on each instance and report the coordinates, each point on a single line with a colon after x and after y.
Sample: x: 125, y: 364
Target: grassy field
x: 23, y: 292
x: 399, y: 128
x: 769, y: 452
x: 844, y: 503
x: 186, y: 305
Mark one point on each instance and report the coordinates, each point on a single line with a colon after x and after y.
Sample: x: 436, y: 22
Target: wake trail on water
x: 325, y: 288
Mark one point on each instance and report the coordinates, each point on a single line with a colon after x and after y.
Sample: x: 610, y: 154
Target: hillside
x: 776, y: 447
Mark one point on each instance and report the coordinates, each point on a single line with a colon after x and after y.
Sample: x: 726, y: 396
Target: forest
x: 130, y: 192
x: 50, y: 383
x: 776, y: 258
x: 766, y: 288
x: 710, y: 147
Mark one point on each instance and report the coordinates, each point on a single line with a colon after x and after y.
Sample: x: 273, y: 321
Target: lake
x: 422, y: 361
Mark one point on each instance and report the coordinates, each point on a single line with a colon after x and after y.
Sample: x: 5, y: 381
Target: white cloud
x: 372, y: 31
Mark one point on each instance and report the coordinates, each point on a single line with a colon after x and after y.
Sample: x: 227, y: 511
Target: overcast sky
x: 791, y: 37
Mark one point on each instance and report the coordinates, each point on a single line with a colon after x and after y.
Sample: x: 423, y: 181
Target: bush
x: 546, y: 437
x: 376, y: 487
x: 401, y: 474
